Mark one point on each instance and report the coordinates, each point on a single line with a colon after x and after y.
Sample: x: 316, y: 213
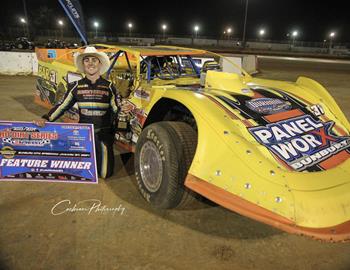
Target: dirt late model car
x: 274, y: 151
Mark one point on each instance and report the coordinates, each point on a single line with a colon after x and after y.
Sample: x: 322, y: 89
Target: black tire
x: 173, y: 145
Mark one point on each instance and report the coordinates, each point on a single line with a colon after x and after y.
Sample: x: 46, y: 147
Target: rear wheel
x: 164, y: 153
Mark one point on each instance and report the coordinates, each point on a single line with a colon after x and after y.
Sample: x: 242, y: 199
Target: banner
x: 75, y: 14
x: 58, y: 152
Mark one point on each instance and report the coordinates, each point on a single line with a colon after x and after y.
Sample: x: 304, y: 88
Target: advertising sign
x: 58, y: 152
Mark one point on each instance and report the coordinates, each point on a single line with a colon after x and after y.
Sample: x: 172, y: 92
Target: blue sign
x: 51, y: 54
x: 58, y: 152
x: 75, y: 14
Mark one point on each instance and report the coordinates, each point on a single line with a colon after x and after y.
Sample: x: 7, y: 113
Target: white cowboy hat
x: 91, y: 51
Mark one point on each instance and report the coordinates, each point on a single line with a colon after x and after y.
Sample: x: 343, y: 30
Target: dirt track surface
x: 204, y: 237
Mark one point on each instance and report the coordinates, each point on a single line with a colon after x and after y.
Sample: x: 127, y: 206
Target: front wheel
x: 164, y: 153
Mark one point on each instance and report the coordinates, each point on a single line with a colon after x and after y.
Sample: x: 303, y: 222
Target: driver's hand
x: 40, y: 122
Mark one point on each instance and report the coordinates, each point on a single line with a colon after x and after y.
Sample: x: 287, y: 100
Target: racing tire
x: 163, y: 155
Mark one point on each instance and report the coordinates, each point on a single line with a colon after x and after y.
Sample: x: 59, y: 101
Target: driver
x: 98, y: 102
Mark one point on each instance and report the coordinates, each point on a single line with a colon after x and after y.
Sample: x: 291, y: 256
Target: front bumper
x: 337, y: 233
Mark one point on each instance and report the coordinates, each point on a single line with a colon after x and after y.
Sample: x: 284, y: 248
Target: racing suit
x: 99, y: 104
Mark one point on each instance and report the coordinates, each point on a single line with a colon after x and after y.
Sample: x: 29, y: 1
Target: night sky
x: 313, y: 19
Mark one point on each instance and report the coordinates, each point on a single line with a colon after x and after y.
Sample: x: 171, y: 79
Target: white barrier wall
x: 250, y: 63
x: 18, y: 63
x: 180, y: 41
x: 205, y: 42
x: 227, y: 66
x: 139, y: 41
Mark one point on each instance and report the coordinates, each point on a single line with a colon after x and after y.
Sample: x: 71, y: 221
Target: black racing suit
x: 99, y: 104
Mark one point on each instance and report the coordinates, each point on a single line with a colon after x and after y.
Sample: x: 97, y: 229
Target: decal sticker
x: 51, y: 54
x: 142, y: 94
x: 53, y: 76
x: 268, y: 105
x: 317, y: 110
x: 301, y: 142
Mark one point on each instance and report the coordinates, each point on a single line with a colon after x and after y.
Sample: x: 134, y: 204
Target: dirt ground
x: 205, y: 237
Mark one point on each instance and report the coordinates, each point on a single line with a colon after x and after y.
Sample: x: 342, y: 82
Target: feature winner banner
x: 58, y: 152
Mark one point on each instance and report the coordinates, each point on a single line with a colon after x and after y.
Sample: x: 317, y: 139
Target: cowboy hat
x: 91, y: 51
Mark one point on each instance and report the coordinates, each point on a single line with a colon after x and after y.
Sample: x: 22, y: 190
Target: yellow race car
x: 274, y: 151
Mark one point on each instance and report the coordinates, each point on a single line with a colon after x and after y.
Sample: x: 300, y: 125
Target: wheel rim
x: 151, y: 166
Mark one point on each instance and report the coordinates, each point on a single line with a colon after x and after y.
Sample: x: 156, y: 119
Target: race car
x: 275, y: 151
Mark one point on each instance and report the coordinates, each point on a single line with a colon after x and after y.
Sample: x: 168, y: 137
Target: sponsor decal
x: 47, y: 74
x: 142, y: 94
x: 301, y: 142
x: 24, y: 136
x: 317, y: 110
x: 51, y: 54
x: 268, y: 105
x: 88, y: 112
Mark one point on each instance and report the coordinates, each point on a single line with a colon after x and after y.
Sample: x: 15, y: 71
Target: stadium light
x: 130, y: 26
x: 60, y: 24
x: 164, y: 28
x: 96, y: 25
x: 261, y: 33
x: 331, y: 37
x: 228, y: 31
x: 24, y: 24
x: 196, y: 29
x: 294, y: 35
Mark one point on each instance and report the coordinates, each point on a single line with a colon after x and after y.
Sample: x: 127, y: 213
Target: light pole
x: 96, y: 25
x: 295, y: 34
x: 26, y: 26
x: 331, y: 37
x: 324, y: 43
x: 23, y: 22
x: 196, y: 29
x: 60, y: 25
x: 164, y: 28
x: 229, y: 31
x: 130, y: 26
x: 262, y: 33
x: 245, y: 22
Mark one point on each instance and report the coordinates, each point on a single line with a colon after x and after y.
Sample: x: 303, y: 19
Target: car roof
x: 158, y: 50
